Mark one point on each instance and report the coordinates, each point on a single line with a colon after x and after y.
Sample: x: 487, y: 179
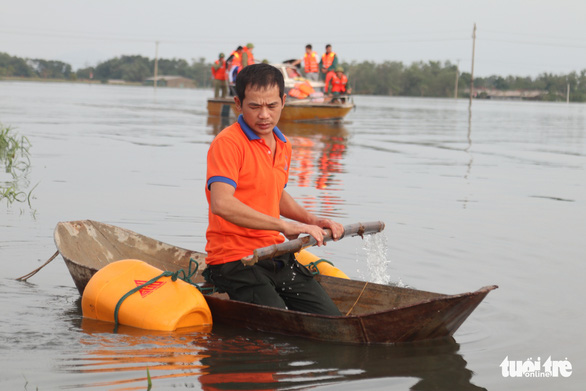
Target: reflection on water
x: 317, y: 161
x: 126, y: 354
x: 14, y: 166
x: 238, y: 360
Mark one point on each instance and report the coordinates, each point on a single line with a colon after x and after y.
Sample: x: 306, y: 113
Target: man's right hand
x: 292, y: 230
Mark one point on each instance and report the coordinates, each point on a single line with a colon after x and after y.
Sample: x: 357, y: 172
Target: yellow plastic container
x: 305, y: 258
x: 164, y: 305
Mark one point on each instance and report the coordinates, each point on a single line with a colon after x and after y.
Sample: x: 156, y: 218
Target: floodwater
x: 495, y: 197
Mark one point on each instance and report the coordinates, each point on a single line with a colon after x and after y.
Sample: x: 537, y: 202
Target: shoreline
x: 84, y: 81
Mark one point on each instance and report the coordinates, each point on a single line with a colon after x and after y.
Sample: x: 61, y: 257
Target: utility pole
x: 457, y: 77
x: 472, y: 70
x: 156, y: 63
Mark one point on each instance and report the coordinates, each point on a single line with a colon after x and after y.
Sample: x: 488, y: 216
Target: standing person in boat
x: 247, y: 172
x: 310, y: 63
x: 247, y: 56
x: 219, y: 76
x: 328, y: 62
x: 233, y: 65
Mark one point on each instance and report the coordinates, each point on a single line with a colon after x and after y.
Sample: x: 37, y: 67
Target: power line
x: 557, y: 45
x: 548, y: 36
x: 105, y: 37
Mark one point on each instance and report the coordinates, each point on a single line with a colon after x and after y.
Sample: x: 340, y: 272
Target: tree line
x: 390, y: 78
x: 436, y: 79
x: 128, y: 68
x: 139, y: 68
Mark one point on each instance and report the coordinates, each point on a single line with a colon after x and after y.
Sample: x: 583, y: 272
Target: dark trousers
x: 281, y: 282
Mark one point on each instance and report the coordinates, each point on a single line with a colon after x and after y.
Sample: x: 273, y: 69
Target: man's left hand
x: 336, y: 228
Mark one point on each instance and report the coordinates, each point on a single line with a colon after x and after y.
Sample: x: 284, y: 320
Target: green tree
x: 50, y: 69
x: 14, y: 66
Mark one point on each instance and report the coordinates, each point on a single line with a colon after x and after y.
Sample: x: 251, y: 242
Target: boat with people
x: 306, y: 101
x: 371, y: 313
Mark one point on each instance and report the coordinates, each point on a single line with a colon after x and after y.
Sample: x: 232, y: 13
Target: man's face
x: 329, y: 49
x: 261, y: 109
x: 308, y: 50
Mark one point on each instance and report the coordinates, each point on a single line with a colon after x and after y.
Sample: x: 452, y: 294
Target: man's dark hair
x: 308, y: 46
x: 259, y: 76
x: 239, y: 48
x: 328, y: 46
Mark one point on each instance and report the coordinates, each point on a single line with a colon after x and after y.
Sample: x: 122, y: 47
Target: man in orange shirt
x: 248, y: 169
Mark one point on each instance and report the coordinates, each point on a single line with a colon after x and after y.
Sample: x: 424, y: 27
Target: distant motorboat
x: 315, y: 107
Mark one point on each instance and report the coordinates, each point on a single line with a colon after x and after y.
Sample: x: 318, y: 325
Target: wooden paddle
x: 356, y: 229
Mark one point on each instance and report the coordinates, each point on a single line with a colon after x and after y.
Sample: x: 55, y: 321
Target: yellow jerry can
x: 163, y: 305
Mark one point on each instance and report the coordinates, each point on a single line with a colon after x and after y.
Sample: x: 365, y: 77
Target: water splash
x: 377, y: 262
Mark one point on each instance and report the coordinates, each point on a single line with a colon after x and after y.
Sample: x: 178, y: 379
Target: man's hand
x: 336, y: 228
x: 311, y: 225
x: 293, y: 230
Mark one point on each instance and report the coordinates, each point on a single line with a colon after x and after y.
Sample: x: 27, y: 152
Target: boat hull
x: 373, y: 313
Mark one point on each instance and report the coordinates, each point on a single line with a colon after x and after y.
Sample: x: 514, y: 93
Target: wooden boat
x: 374, y: 313
x: 300, y: 111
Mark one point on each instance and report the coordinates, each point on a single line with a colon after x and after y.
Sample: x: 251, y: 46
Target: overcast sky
x: 514, y: 37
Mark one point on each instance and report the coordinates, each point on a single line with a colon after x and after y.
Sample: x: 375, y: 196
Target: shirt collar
x: 253, y: 136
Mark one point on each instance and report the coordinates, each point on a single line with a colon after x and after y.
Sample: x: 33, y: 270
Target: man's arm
x: 321, y: 66
x: 334, y: 64
x: 294, y: 211
x: 224, y: 204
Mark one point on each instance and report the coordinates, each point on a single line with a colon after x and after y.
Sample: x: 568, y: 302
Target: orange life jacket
x: 236, y: 60
x: 249, y: 54
x: 327, y: 59
x: 296, y: 93
x: 220, y: 73
x: 339, y: 83
x: 301, y: 90
x: 311, y: 63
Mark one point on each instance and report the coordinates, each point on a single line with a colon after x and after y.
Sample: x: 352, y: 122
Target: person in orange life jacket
x: 337, y: 84
x: 328, y: 62
x: 235, y: 58
x: 247, y: 172
x: 233, y: 65
x: 247, y: 56
x: 310, y: 63
x: 219, y: 76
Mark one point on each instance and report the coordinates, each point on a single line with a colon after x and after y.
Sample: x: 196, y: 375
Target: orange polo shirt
x: 239, y: 157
